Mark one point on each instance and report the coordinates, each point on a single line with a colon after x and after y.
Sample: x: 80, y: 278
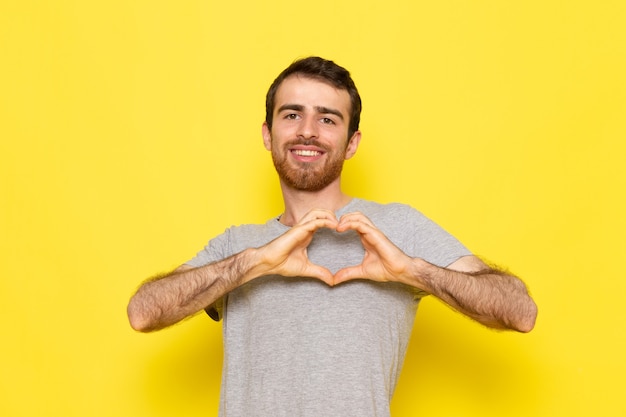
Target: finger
x: 348, y: 274
x: 356, y: 216
x: 361, y: 225
x: 318, y: 214
x: 312, y: 225
x: 321, y: 273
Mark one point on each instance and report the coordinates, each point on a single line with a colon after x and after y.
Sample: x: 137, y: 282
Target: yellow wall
x: 130, y: 134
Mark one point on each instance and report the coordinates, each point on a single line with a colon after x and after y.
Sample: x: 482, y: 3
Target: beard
x: 307, y: 176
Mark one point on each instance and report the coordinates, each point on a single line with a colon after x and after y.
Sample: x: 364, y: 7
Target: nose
x: 307, y: 129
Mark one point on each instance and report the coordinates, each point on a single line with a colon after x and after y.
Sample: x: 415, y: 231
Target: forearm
x: 166, y: 300
x: 493, y: 298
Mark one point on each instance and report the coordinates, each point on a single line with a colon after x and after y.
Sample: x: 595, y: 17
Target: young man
x: 318, y: 304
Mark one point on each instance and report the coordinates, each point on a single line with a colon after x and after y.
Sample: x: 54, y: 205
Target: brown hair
x: 322, y: 70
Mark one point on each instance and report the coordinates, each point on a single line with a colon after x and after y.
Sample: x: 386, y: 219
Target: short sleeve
x: 215, y: 250
x: 431, y: 242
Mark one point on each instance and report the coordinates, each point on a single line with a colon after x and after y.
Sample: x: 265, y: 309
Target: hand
x: 383, y: 261
x: 287, y: 254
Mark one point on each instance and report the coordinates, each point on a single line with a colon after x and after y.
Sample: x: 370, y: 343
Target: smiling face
x: 309, y: 135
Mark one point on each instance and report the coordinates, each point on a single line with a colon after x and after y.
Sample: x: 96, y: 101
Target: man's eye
x: 328, y: 121
x: 291, y: 116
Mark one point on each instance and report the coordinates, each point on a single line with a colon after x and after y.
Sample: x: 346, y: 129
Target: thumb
x: 347, y: 274
x: 320, y: 273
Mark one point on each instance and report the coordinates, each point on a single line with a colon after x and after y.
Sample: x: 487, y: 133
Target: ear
x: 353, y: 144
x: 267, y: 136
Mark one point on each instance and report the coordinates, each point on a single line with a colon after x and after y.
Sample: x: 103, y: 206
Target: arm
x: 165, y: 300
x: 493, y: 298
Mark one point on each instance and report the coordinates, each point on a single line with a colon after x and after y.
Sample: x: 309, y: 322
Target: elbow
x: 138, y: 325
x: 526, y: 326
x: 526, y: 322
x: 137, y: 318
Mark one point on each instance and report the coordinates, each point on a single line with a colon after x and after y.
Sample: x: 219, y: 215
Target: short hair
x: 322, y: 70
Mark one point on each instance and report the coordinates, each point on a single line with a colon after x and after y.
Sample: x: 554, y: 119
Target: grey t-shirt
x: 297, y: 347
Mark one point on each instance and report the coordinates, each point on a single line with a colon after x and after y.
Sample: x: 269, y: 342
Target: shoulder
x: 249, y: 229
x: 253, y: 235
x: 387, y: 212
x: 235, y: 239
x: 400, y: 220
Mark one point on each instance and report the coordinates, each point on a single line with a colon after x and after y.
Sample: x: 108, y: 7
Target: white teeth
x: 302, y: 152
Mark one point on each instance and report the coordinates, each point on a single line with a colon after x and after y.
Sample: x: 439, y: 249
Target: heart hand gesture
x: 287, y: 254
x: 383, y: 261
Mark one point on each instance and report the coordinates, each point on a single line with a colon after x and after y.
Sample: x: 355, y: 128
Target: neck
x: 298, y: 203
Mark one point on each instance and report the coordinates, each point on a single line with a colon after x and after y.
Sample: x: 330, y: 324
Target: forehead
x: 311, y: 93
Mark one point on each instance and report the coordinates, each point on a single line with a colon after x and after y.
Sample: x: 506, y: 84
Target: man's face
x: 309, y: 136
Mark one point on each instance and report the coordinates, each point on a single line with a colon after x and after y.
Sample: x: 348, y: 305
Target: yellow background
x: 130, y: 135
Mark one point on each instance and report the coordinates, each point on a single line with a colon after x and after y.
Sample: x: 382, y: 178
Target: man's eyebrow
x: 319, y: 109
x: 327, y: 110
x: 296, y: 107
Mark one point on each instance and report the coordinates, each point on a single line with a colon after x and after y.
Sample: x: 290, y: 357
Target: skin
x: 308, y: 141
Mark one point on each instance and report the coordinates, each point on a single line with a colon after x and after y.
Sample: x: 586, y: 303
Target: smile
x: 306, y: 152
